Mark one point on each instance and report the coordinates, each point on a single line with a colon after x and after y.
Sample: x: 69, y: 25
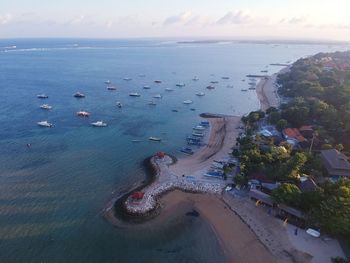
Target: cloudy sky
x: 300, y: 19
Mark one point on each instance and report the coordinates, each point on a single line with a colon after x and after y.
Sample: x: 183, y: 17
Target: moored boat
x: 157, y: 96
x: 214, y: 82
x: 134, y: 94
x: 42, y: 96
x: 200, y: 94
x: 152, y: 103
x: 187, y: 150
x: 155, y: 139
x: 45, y: 124
x: 146, y: 87
x: 210, y: 87
x: 111, y: 88
x: 107, y: 82
x: 158, y: 81
x: 199, y: 128
x: 83, y: 114
x: 180, y: 85
x: 197, y: 134
x: 195, y: 78
x: 225, y: 78
x: 79, y: 95
x: 99, y: 124
x: 187, y: 101
x: 119, y: 104
x: 45, y: 107
x: 169, y: 89
x: 127, y: 79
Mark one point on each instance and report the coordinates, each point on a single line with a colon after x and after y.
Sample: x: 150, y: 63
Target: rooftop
x: 336, y: 163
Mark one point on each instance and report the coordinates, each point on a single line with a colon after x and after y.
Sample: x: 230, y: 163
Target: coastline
x: 266, y: 91
x: 240, y: 241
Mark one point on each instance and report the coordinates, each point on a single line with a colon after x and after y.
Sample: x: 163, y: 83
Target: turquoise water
x: 52, y: 194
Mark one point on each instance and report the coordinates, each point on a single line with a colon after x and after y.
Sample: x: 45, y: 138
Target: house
x: 306, y: 184
x: 307, y: 131
x: 293, y: 137
x: 336, y: 163
x: 292, y: 215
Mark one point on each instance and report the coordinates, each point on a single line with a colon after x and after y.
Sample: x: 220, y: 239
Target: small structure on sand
x: 137, y: 195
x: 160, y: 155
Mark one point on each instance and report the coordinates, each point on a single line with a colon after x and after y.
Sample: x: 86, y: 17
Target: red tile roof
x: 294, y: 133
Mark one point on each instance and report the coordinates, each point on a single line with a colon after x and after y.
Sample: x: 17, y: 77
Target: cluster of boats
x: 195, y: 139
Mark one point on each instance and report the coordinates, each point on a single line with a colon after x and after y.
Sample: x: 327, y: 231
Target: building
x: 306, y: 131
x: 293, y: 137
x: 336, y: 163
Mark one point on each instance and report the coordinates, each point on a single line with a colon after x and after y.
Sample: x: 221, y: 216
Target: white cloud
x: 236, y: 17
x: 182, y: 18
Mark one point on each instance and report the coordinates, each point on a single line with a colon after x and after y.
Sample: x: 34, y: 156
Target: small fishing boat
x: 99, y: 124
x: 134, y: 94
x: 119, y: 104
x: 108, y: 82
x: 158, y: 81
x: 174, y: 110
x: 197, y: 134
x: 193, y: 139
x: 193, y: 109
x: 83, y: 114
x: 188, y: 102
x: 79, y: 95
x: 230, y: 86
x: 244, y: 90
x: 111, y: 88
x: 157, y: 96
x: 42, y: 96
x: 187, y: 150
x: 195, y: 78
x: 180, y: 85
x: 45, y: 124
x: 152, y: 103
x: 169, y: 89
x: 204, y: 123
x: 214, y: 82
x: 252, y: 88
x: 155, y: 139
x: 199, y: 128
x: 210, y: 87
x: 46, y: 107
x: 146, y: 87
x: 127, y: 79
x: 225, y: 77
x: 264, y: 71
x: 200, y: 94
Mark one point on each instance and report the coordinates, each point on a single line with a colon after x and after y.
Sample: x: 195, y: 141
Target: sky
x: 187, y: 19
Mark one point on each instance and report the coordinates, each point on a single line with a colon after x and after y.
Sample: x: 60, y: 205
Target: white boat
x: 195, y: 78
x: 197, y: 134
x: 46, y: 107
x: 42, y: 96
x: 156, y: 139
x: 83, y: 114
x: 152, y: 103
x: 99, y: 124
x: 200, y: 94
x: 188, y: 102
x: 146, y: 87
x: 199, y: 128
x: 119, y: 104
x: 45, y: 124
x: 108, y: 82
x: 157, y: 96
x: 180, y: 85
x: 169, y: 89
x: 313, y: 232
x: 127, y: 79
x: 134, y: 94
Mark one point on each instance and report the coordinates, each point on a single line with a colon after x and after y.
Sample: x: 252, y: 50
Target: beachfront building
x: 336, y: 163
x: 294, y: 137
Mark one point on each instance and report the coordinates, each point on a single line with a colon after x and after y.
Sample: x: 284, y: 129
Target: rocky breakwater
x: 146, y: 200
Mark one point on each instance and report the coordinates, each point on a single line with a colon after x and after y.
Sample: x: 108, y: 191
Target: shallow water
x: 52, y: 194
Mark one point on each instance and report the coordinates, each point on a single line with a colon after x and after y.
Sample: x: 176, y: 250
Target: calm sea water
x: 52, y: 194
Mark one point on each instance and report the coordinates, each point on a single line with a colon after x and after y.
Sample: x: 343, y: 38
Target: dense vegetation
x: 318, y: 93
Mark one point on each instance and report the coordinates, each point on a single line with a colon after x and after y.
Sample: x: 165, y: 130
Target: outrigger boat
x: 155, y: 139
x: 45, y: 124
x: 200, y: 94
x: 42, y: 96
x: 79, y: 95
x: 134, y: 94
x: 180, y: 85
x: 99, y: 124
x: 83, y: 114
x: 146, y: 87
x: 46, y: 107
x: 158, y: 81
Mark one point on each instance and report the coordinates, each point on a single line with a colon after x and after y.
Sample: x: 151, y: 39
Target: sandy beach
x: 267, y: 91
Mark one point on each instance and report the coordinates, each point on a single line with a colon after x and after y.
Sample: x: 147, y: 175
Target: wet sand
x: 239, y: 243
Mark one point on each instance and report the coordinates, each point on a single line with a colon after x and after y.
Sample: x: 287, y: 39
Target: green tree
x: 286, y: 193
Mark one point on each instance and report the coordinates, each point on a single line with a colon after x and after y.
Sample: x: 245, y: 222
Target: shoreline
x: 266, y: 91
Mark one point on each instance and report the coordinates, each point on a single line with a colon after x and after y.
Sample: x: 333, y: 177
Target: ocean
x: 52, y: 194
